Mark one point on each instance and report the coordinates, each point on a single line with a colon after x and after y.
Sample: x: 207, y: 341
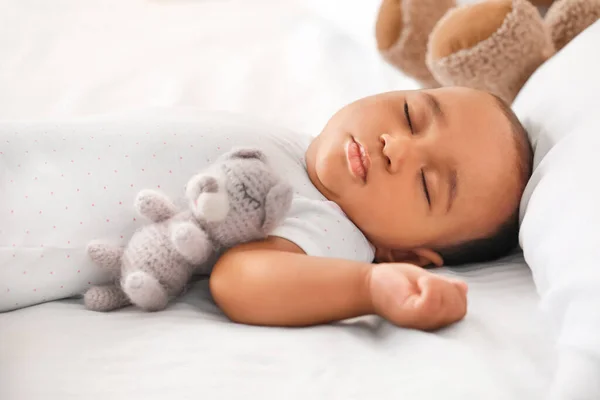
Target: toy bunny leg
x: 154, y: 206
x: 145, y: 291
x: 191, y: 242
x: 105, y: 298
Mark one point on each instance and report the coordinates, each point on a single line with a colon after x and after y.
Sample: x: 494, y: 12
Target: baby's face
x: 419, y: 169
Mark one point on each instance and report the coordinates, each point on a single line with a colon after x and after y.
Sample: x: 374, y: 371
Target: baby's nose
x: 396, y: 150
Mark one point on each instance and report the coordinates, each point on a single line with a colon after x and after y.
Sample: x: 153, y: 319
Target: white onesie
x: 64, y: 184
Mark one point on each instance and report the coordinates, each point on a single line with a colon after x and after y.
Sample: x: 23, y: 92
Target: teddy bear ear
x: 246, y: 153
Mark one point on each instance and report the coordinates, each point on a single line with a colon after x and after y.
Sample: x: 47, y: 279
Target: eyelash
x: 423, y: 180
x: 407, y: 115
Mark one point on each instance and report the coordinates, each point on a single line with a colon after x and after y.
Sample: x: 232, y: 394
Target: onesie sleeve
x: 321, y: 229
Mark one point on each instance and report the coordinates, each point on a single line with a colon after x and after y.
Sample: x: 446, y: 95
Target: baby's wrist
x: 365, y: 291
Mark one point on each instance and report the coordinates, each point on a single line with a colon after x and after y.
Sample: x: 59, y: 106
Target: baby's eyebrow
x: 434, y: 105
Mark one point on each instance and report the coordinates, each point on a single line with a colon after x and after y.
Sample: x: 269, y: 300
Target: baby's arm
x: 273, y: 282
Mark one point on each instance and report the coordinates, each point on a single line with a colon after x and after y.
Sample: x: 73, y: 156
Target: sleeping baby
x: 406, y: 179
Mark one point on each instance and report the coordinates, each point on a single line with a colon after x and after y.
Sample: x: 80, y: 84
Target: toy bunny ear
x: 239, y: 152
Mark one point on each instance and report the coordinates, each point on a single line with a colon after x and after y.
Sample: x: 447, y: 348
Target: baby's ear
x: 420, y: 257
x: 246, y: 153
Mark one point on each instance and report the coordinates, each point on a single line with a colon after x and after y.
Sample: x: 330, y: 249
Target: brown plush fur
x: 494, y: 45
x: 568, y: 18
x: 499, y: 63
x: 402, y: 32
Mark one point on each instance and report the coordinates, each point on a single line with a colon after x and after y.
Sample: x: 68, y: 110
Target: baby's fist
x: 412, y: 297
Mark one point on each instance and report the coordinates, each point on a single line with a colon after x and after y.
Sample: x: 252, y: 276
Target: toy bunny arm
x: 277, y: 204
x: 154, y: 206
x: 106, y: 256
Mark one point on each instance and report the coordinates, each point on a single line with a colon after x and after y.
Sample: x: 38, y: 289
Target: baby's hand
x: 412, y: 297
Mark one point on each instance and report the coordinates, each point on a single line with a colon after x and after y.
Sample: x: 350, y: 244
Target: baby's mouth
x: 358, y: 159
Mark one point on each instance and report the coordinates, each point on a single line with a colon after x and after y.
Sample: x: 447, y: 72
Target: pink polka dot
x: 51, y: 273
x: 54, y: 227
x: 131, y: 185
x: 72, y: 161
x: 116, y: 171
x: 80, y: 222
x: 27, y: 232
x: 170, y: 171
x: 40, y: 211
x: 68, y: 256
x: 35, y: 290
x: 158, y: 186
x: 78, y: 271
x: 51, y: 193
x: 135, y: 219
x: 126, y: 156
x: 24, y: 272
x: 153, y: 155
x: 93, y: 205
x: 12, y: 211
x: 61, y: 286
x: 104, y: 187
x: 107, y: 220
x: 120, y: 202
x: 78, y: 190
x: 143, y: 170
x: 98, y: 158
x: 181, y: 158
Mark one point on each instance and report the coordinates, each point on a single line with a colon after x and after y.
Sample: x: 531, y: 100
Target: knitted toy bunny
x: 238, y: 199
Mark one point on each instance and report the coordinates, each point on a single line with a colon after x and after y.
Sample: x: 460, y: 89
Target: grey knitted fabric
x: 237, y: 200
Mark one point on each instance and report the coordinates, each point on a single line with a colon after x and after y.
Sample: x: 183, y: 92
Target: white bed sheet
x: 289, y: 62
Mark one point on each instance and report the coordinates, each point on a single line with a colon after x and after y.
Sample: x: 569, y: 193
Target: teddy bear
x: 237, y: 199
x: 493, y: 45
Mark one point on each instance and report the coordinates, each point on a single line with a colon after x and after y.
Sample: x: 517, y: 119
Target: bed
x: 291, y: 63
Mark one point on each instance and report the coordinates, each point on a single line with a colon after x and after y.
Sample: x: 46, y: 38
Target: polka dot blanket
x: 64, y: 184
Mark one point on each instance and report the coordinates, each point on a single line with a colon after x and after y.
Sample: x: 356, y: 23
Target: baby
x: 431, y: 177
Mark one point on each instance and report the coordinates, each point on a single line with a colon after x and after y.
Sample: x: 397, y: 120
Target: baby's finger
x: 431, y: 293
x: 456, y: 303
x: 461, y: 285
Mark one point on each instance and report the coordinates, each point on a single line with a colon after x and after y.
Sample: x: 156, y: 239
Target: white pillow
x: 560, y: 232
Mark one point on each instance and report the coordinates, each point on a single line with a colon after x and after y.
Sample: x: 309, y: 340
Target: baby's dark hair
x: 506, y: 237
